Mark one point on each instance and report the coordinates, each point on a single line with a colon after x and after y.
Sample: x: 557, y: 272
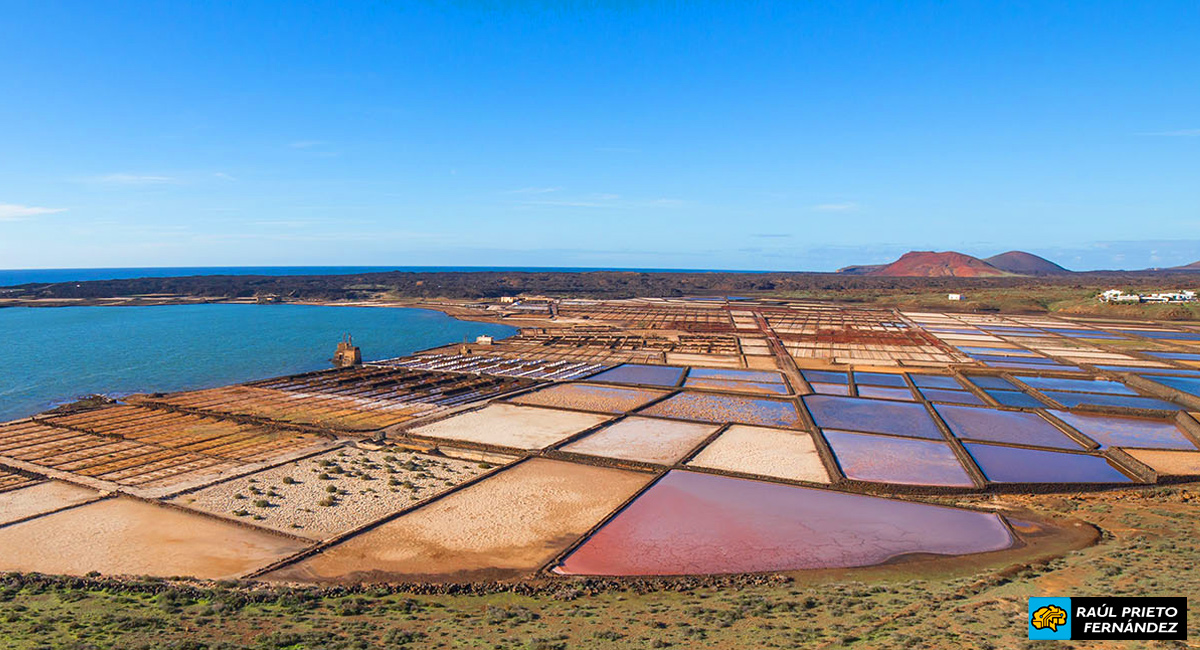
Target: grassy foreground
x: 1147, y: 547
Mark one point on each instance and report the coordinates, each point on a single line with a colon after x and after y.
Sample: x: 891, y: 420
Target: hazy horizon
x: 778, y: 136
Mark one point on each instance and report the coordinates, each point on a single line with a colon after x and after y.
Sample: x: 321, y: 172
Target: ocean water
x: 49, y: 356
x: 12, y: 277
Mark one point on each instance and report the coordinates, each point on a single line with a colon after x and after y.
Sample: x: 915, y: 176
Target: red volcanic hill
x: 1024, y: 263
x: 1194, y: 266
x: 928, y: 264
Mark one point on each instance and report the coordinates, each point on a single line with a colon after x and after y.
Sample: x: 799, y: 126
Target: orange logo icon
x: 1050, y: 616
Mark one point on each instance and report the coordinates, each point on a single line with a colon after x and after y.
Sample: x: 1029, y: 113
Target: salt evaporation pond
x: 1013, y: 427
x: 632, y: 373
x: 1072, y: 400
x: 585, y: 397
x: 1112, y: 431
x: 872, y: 416
x: 908, y: 461
x: 692, y: 523
x: 1016, y: 465
x: 708, y: 407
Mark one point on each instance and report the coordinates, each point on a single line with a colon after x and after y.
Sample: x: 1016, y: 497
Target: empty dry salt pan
x: 648, y: 440
x: 127, y: 537
x: 507, y: 425
x: 507, y: 525
x: 789, y: 455
x: 43, y: 497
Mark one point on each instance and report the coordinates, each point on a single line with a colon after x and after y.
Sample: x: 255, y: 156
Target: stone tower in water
x: 347, y: 354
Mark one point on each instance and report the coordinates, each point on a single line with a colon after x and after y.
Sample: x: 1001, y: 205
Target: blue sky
x: 789, y: 136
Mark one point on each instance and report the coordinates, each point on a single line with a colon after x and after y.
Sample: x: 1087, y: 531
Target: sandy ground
x: 648, y: 440
x: 610, y: 399
x: 521, y: 427
x: 43, y: 497
x: 766, y: 452
x: 507, y: 525
x: 369, y: 485
x: 124, y: 536
x: 1169, y: 463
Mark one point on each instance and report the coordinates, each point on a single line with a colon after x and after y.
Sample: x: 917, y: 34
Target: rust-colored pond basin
x: 692, y: 523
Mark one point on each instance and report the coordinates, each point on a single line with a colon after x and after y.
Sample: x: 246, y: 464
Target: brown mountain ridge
x: 930, y: 264
x: 1023, y: 263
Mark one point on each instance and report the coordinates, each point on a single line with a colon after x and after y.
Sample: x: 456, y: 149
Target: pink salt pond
x: 692, y: 523
x: 909, y: 461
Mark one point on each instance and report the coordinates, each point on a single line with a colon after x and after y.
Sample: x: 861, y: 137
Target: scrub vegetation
x: 1069, y: 294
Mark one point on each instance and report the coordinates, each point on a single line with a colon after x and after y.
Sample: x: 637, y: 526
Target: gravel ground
x: 366, y: 485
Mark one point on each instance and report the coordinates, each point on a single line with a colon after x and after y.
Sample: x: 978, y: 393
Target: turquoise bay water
x: 53, y: 355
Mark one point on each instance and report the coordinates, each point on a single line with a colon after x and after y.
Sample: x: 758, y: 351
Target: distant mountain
x: 1023, y: 263
x: 861, y: 269
x: 1194, y: 266
x: 928, y: 264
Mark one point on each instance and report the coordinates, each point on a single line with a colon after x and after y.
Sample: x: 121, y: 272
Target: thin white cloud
x: 306, y: 144
x: 835, y: 207
x: 534, y: 190
x: 223, y: 176
x: 132, y: 179
x: 566, y: 204
x: 604, y: 200
x: 14, y: 212
x: 1181, y: 133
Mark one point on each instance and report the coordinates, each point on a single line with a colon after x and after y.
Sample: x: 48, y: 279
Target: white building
x: 1116, y: 295
x: 1171, y: 296
x: 955, y: 297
